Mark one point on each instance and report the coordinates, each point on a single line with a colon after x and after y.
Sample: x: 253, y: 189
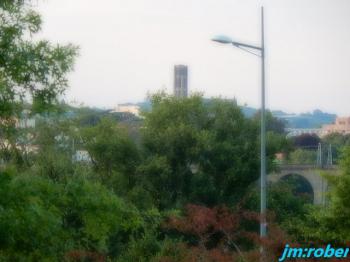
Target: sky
x: 128, y: 49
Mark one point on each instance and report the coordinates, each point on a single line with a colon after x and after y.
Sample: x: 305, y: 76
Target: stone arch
x: 313, y: 176
x: 304, y: 187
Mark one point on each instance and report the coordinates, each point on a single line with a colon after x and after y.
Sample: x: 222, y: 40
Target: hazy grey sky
x: 129, y: 47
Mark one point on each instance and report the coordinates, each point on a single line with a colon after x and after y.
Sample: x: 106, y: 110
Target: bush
x: 42, y: 220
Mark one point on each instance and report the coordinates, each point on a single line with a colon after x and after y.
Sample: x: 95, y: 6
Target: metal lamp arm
x: 250, y: 52
x: 238, y: 44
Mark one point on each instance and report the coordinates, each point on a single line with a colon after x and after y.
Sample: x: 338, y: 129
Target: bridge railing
x: 320, y: 156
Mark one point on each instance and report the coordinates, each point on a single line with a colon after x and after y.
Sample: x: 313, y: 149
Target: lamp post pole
x: 261, y: 49
x: 263, y: 136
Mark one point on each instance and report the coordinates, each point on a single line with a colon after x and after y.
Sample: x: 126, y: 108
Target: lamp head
x: 222, y: 39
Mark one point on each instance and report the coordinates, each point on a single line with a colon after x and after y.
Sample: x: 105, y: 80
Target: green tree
x: 54, y: 142
x: 197, y: 151
x: 302, y: 156
x: 330, y: 224
x: 338, y: 141
x: 42, y: 220
x: 283, y: 202
x: 335, y: 222
x: 113, y: 153
x: 29, y: 68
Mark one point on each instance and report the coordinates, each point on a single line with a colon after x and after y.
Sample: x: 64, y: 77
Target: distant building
x: 291, y: 132
x: 341, y: 126
x: 180, y: 81
x: 128, y: 108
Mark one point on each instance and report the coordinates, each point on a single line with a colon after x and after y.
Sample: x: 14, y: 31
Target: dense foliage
x: 29, y: 69
x: 41, y: 219
x: 197, y: 152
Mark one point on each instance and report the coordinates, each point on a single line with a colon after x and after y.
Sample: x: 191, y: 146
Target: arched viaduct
x: 311, y: 174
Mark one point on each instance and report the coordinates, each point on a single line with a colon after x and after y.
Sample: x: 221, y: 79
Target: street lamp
x: 261, y: 54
